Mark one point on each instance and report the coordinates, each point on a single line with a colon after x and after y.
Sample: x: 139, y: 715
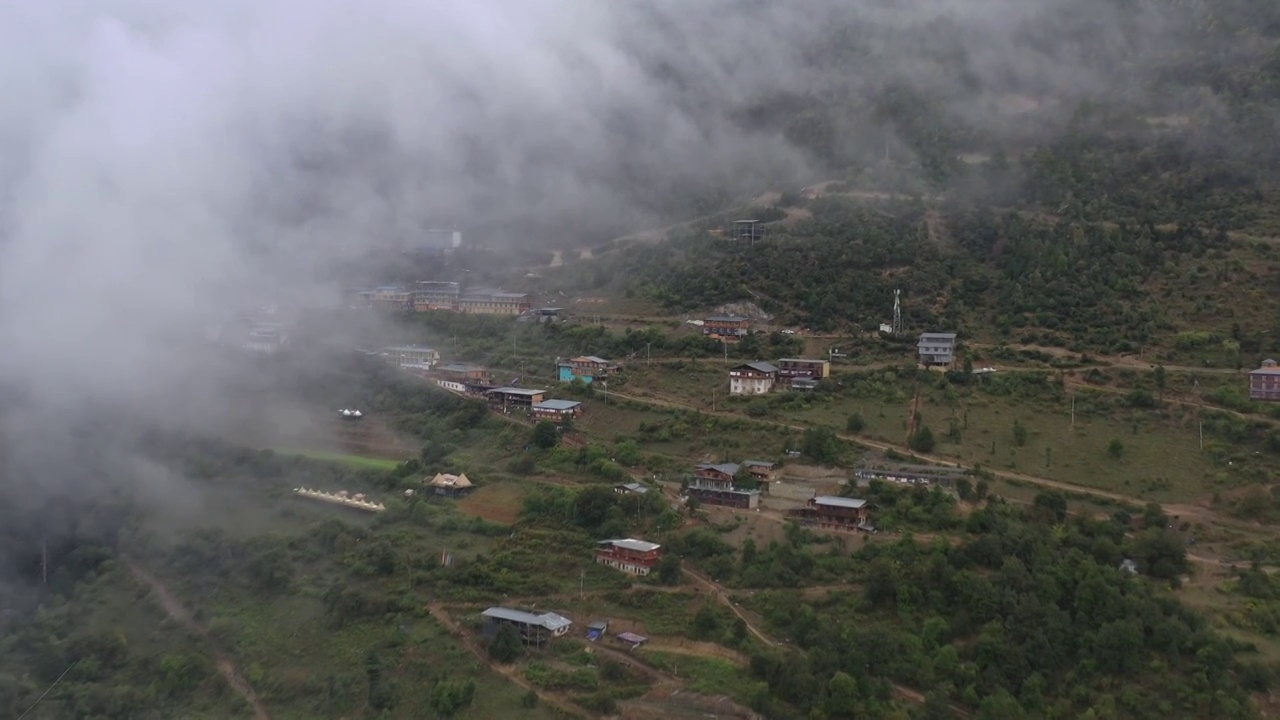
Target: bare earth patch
x: 499, y: 503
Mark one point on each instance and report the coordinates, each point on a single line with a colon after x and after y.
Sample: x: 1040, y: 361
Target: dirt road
x: 719, y: 593
x: 1190, y: 512
x: 505, y: 671
x: 175, y: 610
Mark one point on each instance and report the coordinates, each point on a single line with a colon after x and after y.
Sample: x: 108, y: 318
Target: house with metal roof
x: 411, y: 356
x: 832, y: 512
x: 533, y: 629
x: 729, y: 328
x: 631, y: 489
x: 629, y: 555
x: 514, y: 397
x: 716, y: 472
x: 804, y: 367
x: 557, y: 411
x: 713, y: 484
x: 587, y: 368
x: 936, y: 348
x: 1264, y: 383
x: 753, y: 378
x: 492, y: 301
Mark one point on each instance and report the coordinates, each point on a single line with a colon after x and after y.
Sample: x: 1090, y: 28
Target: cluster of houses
x: 759, y: 378
x: 628, y: 555
x: 451, y: 296
x: 474, y: 380
x: 263, y: 331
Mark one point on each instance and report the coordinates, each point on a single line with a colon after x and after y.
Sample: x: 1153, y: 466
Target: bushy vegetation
x: 1028, y: 617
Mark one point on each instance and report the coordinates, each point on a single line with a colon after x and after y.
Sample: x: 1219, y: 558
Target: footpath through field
x: 438, y: 612
x: 221, y: 660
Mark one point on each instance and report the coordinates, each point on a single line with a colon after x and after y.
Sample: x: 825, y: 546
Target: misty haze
x: 651, y: 359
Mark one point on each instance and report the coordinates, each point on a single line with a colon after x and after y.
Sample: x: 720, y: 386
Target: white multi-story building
x: 937, y: 348
x: 754, y: 378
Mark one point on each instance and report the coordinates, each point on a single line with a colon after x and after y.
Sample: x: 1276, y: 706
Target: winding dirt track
x: 175, y: 610
x: 1187, y: 511
x: 509, y: 672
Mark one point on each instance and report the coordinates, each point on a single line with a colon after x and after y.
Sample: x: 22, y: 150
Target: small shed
x: 596, y: 629
x: 632, y: 639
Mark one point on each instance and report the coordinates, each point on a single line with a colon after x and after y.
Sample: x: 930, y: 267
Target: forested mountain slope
x: 997, y: 274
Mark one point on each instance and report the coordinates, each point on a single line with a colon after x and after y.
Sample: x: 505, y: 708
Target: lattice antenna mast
x: 897, y: 312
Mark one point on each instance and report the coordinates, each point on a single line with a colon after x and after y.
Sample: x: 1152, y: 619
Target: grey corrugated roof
x: 727, y: 318
x: 519, y: 616
x: 837, y: 501
x: 557, y: 405
x: 726, y: 468
x: 937, y: 336
x: 596, y: 359
x: 518, y: 391
x: 408, y: 348
x: 636, y: 488
x: 802, y: 360
x: 758, y: 463
x: 760, y: 366
x: 550, y: 621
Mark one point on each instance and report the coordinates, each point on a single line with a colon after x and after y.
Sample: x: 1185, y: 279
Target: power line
x: 46, y: 692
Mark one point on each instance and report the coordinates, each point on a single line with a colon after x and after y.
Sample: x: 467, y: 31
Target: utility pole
x: 582, y: 584
x: 713, y: 401
x: 646, y: 354
x: 725, y: 345
x: 1201, y: 434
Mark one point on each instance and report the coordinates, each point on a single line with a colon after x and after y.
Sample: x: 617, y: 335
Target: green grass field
x: 711, y: 676
x: 304, y: 668
x: 358, y: 461
x: 1160, y: 459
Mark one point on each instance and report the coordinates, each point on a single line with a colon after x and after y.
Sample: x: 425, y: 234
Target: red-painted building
x: 729, y: 328
x: 1264, y: 383
x: 629, y: 555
